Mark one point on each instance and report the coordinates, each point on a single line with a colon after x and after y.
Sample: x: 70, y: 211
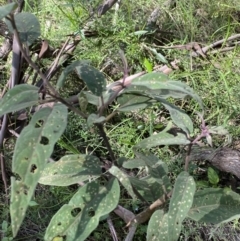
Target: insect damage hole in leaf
x: 39, y: 124
x: 75, y: 211
x: 44, y: 140
x: 91, y: 212
x: 33, y: 168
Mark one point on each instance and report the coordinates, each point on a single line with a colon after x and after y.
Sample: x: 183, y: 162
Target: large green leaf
x: 159, y: 85
x: 6, y: 9
x: 32, y: 151
x: 19, y: 97
x: 71, y: 169
x: 131, y: 102
x: 163, y: 138
x: 215, y: 205
x: 156, y: 183
x: 179, y: 117
x: 77, y: 219
x: 93, y: 78
x: 180, y: 203
x: 28, y: 27
x: 70, y: 68
x: 168, y: 226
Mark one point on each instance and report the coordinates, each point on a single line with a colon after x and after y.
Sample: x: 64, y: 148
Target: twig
x: 206, y: 49
x: 187, y: 159
x: 71, y: 107
x: 30, y: 62
x: 105, y: 139
x: 2, y: 135
x: 57, y: 58
x: 146, y: 214
x: 112, y: 229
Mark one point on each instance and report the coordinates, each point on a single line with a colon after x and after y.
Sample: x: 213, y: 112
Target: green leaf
x: 70, y: 68
x: 215, y: 205
x: 94, y: 119
x: 163, y: 138
x: 71, y: 169
x: 93, y: 78
x: 213, y: 176
x: 168, y: 227
x: 124, y: 179
x: 159, y: 56
x: 156, y: 183
x: 131, y: 102
x: 77, y: 219
x: 83, y: 101
x: 19, y: 97
x: 157, y: 220
x: 218, y: 130
x: 159, y: 85
x: 141, y: 32
x: 180, y: 203
x: 148, y: 65
x: 32, y: 151
x: 28, y: 27
x: 134, y: 163
x: 179, y: 117
x: 6, y: 9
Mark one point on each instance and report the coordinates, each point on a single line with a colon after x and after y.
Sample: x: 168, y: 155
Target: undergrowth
x: 215, y: 79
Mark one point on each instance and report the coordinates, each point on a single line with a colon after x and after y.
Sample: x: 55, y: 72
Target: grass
x: 215, y: 79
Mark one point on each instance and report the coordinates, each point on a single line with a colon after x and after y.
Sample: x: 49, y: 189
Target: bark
x: 225, y: 159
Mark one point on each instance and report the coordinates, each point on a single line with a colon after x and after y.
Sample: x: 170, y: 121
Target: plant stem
x: 105, y: 139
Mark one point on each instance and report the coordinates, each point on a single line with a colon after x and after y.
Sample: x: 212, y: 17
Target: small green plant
x: 99, y: 191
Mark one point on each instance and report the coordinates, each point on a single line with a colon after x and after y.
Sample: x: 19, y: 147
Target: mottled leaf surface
x: 77, y: 219
x: 19, y: 97
x: 163, y: 138
x: 71, y: 169
x: 215, y: 205
x: 124, y: 179
x: 32, y: 151
x: 28, y: 27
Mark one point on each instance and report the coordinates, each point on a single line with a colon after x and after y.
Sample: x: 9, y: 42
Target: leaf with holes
x: 123, y: 178
x: 131, y: 102
x: 215, y: 205
x: 32, y: 151
x: 18, y: 98
x: 77, y: 219
x: 163, y: 138
x: 71, y: 169
x: 93, y: 78
x: 6, y: 9
x: 28, y: 27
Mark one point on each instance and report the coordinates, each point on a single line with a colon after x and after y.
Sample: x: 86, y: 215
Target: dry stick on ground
x: 147, y: 213
x: 112, y: 229
x: 211, y: 46
x: 203, y: 50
